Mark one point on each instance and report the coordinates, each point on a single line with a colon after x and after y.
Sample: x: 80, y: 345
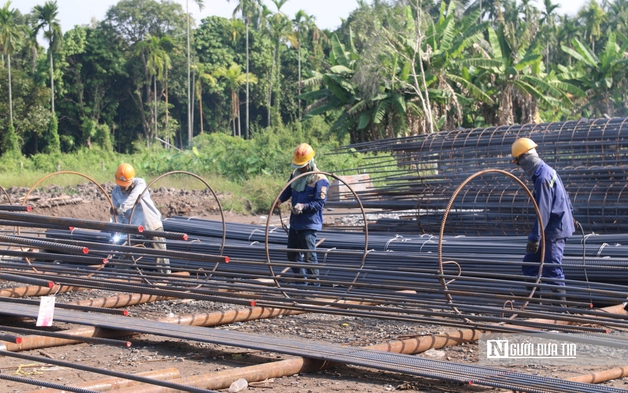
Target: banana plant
x: 516, y: 77
x: 602, y: 78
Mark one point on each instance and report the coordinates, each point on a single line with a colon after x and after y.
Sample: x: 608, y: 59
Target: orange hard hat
x: 303, y: 154
x: 125, y: 174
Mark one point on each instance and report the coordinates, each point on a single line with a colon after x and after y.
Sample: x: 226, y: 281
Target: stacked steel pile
x: 422, y: 172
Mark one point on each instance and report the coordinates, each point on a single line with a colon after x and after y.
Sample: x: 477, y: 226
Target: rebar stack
x: 421, y: 173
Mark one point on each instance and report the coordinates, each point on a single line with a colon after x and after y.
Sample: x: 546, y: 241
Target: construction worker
x: 124, y: 197
x: 556, y: 213
x: 308, y: 194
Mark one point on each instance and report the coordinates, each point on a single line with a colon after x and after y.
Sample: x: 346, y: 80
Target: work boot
x: 560, y: 295
x: 556, y: 296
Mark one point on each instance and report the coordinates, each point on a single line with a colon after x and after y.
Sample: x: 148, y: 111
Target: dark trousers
x: 552, y: 264
x: 303, y: 240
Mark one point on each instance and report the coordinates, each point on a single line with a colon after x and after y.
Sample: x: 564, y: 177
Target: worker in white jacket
x: 124, y: 196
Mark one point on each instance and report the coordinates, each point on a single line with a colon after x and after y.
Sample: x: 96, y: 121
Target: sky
x: 328, y: 13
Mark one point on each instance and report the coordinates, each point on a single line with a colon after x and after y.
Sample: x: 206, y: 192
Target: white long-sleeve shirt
x: 146, y: 213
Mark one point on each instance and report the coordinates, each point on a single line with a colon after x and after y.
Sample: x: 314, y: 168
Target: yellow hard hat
x: 125, y: 174
x: 522, y: 146
x: 303, y: 154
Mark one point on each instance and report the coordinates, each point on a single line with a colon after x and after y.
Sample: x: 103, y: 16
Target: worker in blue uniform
x: 308, y: 195
x: 556, y: 215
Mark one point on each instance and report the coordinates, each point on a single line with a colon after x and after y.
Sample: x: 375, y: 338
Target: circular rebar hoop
x: 65, y: 173
x: 276, y: 203
x: 441, y: 269
x: 222, y: 215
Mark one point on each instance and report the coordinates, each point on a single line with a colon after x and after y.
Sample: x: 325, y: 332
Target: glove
x: 298, y: 208
x: 532, y: 247
x: 114, y: 211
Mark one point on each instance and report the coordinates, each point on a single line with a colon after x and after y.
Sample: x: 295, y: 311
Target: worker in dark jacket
x: 556, y: 216
x: 308, y: 194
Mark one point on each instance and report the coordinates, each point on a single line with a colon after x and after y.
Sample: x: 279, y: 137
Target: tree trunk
x: 270, y: 87
x: 233, y: 113
x: 167, y: 138
x: 52, y: 85
x: 10, y: 91
x: 155, y: 103
x: 200, y: 108
x: 504, y: 113
x: 246, y: 127
x: 299, y: 99
x: 190, y: 132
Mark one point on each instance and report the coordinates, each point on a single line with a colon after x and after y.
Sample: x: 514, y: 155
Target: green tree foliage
x: 53, y: 144
x: 134, y: 21
x: 93, y: 79
x: 392, y: 68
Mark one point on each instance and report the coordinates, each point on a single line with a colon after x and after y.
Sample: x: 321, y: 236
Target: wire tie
x: 599, y: 251
x: 391, y: 240
x: 327, y: 252
x: 253, y: 232
x: 424, y: 243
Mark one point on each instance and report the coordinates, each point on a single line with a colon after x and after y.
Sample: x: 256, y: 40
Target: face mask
x: 528, y: 162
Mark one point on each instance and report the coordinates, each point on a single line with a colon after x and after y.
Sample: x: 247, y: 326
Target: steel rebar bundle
x: 420, y: 173
x: 396, y: 279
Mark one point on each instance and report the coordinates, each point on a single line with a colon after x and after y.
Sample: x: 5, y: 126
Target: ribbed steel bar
x: 16, y: 208
x: 481, y: 281
x: 64, y: 222
x: 111, y: 373
x: 45, y: 384
x: 35, y: 242
x: 27, y: 280
x: 43, y: 256
x: 363, y: 357
x: 70, y: 306
x: 47, y: 333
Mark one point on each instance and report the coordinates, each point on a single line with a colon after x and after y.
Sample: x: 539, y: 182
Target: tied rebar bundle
x: 419, y: 174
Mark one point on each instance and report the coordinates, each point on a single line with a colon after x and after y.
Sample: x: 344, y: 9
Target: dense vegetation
x: 129, y: 85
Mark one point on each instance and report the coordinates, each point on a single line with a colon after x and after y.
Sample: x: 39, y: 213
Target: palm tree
x: 201, y: 75
x: 10, y: 36
x: 248, y: 9
x: 157, y: 63
x: 593, y: 16
x: 200, y: 7
x: 235, y: 79
x: 302, y: 22
x: 280, y: 28
x: 263, y: 23
x: 548, y: 27
x: 47, y: 21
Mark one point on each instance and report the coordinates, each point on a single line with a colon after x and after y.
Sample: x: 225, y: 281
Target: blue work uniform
x: 303, y: 227
x: 557, y: 217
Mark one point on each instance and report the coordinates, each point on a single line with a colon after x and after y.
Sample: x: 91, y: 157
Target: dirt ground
x: 192, y: 358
